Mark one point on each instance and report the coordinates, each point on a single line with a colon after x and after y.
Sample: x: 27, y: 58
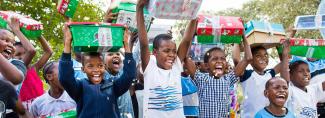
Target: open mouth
x: 116, y: 63
x: 306, y: 79
x: 263, y: 62
x: 7, y: 53
x: 281, y: 97
x: 218, y: 70
x: 96, y: 77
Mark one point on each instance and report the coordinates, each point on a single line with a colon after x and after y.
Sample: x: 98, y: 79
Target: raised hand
x: 14, y: 24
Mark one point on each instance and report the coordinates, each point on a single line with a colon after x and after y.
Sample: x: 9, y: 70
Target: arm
x: 191, y: 67
x: 30, y: 50
x: 144, y: 43
x: 66, y: 71
x: 187, y: 40
x: 241, y: 66
x: 236, y: 54
x: 285, y: 62
x: 122, y: 84
x: 46, y: 54
x: 10, y: 72
x: 22, y: 112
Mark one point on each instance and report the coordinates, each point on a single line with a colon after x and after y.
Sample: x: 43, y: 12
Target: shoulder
x: 247, y: 75
x: 270, y: 71
x: 19, y: 65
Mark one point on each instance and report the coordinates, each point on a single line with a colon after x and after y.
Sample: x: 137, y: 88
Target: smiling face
x: 217, y: 63
x: 260, y: 59
x: 6, y: 43
x: 94, y: 67
x: 165, y: 54
x: 113, y: 62
x: 300, y: 74
x: 277, y: 91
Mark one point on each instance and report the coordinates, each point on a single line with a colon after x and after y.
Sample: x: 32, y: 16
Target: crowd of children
x: 149, y: 85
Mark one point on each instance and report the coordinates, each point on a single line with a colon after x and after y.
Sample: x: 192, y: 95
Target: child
x: 214, y: 86
x: 162, y: 70
x: 276, y: 90
x: 56, y: 100
x: 95, y: 96
x: 253, y: 81
x: 32, y: 86
x: 113, y: 64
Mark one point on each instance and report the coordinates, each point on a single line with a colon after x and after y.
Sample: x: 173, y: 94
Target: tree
x: 45, y: 11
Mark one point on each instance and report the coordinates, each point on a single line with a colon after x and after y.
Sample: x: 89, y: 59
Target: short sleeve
x: 232, y: 78
x: 199, y: 78
x: 247, y: 74
x: 19, y: 65
x: 272, y: 72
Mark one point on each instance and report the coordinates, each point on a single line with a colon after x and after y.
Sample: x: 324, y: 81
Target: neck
x: 55, y: 92
x: 276, y: 110
x: 260, y: 72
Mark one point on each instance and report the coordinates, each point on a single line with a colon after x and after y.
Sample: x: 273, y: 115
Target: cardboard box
x: 215, y: 29
x: 174, y: 9
x: 31, y: 28
x: 96, y: 37
x: 310, y: 48
x: 265, y: 34
x: 127, y: 16
x: 68, y: 114
x: 67, y: 7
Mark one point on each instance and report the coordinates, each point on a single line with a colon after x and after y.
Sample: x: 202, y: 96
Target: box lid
x: 266, y: 27
x: 220, y: 22
x: 95, y: 23
x: 310, y: 22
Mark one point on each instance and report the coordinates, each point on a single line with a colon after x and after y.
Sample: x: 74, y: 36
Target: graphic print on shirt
x: 164, y: 98
x: 307, y: 112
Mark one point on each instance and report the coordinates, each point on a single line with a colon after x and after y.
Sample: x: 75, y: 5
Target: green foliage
x: 45, y: 11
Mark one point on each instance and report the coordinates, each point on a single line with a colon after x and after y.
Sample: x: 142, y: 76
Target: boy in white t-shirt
x: 54, y: 101
x: 162, y: 70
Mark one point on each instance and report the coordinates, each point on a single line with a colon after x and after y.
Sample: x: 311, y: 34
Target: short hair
x: 89, y: 54
x: 256, y: 49
x: 268, y: 83
x: 48, y: 69
x: 295, y: 64
x: 207, y: 54
x: 18, y: 44
x: 157, y: 40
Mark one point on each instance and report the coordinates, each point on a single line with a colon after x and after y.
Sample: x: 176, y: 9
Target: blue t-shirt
x: 264, y: 113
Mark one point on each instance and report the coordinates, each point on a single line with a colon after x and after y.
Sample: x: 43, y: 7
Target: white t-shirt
x: 302, y: 103
x: 253, y: 90
x: 46, y: 105
x: 139, y: 95
x: 163, y: 91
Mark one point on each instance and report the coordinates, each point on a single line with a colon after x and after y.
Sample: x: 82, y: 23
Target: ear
x: 266, y: 93
x: 49, y: 77
x: 83, y: 69
x: 155, y: 52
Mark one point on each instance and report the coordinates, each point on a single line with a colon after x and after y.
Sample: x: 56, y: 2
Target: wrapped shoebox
x: 96, y: 37
x: 215, y: 29
x: 310, y: 48
x: 31, y: 28
x: 310, y: 22
x: 126, y: 15
x: 67, y: 7
x: 174, y: 9
x: 264, y: 33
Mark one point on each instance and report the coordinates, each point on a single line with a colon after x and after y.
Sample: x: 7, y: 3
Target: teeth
x: 96, y: 75
x: 262, y: 62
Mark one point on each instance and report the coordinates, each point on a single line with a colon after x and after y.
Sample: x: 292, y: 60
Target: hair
x: 268, y: 83
x: 207, y: 54
x: 295, y: 64
x: 256, y: 49
x: 18, y: 44
x: 157, y: 40
x: 48, y: 69
x: 90, y: 54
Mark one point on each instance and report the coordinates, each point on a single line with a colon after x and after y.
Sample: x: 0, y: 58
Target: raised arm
x: 46, y: 54
x: 142, y: 33
x: 122, y: 84
x: 236, y: 54
x: 66, y: 71
x: 284, y: 73
x: 191, y: 67
x: 187, y: 40
x: 241, y: 66
x: 30, y: 50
